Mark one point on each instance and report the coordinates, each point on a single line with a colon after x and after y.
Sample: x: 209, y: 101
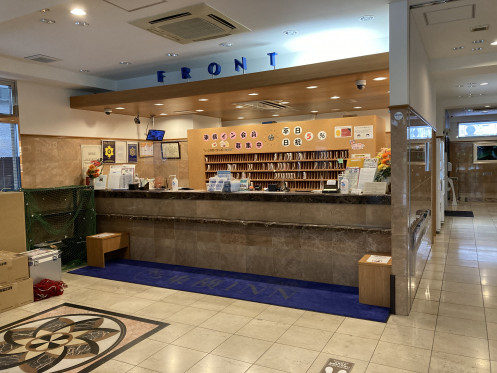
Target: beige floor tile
x: 171, y: 332
x: 425, y: 306
x: 493, y: 366
x: 465, y: 279
x: 361, y: 328
x: 489, y: 280
x: 360, y: 366
x: 443, y: 362
x: 403, y: 357
x: 288, y: 358
x: 408, y: 336
x: 430, y: 284
x: 131, y: 305
x: 183, y: 297
x: 154, y: 293
x: 192, y: 316
x: 144, y: 370
x: 245, y: 308
x: 173, y: 359
x: 351, y: 346
x: 320, y: 321
x: 468, y: 271
x: 377, y: 368
x: 102, y: 299
x: 491, y: 315
x: 261, y: 369
x: 226, y: 322
x: 219, y: 364
x: 116, y: 287
x: 281, y: 314
x: 113, y: 366
x: 434, y: 267
x: 428, y: 294
x: 242, y: 348
x: 492, y: 345
x: 461, y: 311
x: 458, y: 287
x: 461, y: 345
x: 210, y: 302
x: 433, y: 275
x: 201, y: 339
x: 490, y: 302
x: 462, y: 262
x: 414, y: 320
x: 159, y: 310
x: 470, y: 328
x: 492, y: 330
x: 456, y: 298
x: 138, y: 353
x: 263, y: 329
x: 312, y: 339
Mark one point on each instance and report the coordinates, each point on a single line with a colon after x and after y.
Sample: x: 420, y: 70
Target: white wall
x: 44, y: 110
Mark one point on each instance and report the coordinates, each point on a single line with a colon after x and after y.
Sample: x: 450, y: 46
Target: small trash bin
x: 374, y: 279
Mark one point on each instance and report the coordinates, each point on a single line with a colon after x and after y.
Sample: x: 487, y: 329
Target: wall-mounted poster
x: 132, y: 152
x: 108, y: 151
x: 363, y: 132
x: 146, y: 149
x: 121, y: 152
x: 170, y: 150
x: 343, y: 131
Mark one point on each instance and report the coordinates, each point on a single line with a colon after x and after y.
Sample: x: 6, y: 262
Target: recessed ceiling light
x: 458, y: 48
x: 478, y: 41
x: 162, y: 114
x: 493, y: 43
x: 48, y: 21
x: 487, y: 105
x: 314, y: 111
x: 172, y: 54
x: 199, y: 110
x: 357, y: 107
x: 120, y: 108
x: 203, y: 99
x: 284, y: 102
x: 45, y: 10
x: 484, y: 83
x: 335, y: 97
x: 226, y: 45
x: 159, y: 104
x: 125, y: 63
x: 84, y: 71
x: 276, y: 115
x: 460, y: 85
x: 238, y: 107
x: 477, y: 49
x: 366, y: 18
x: 241, y: 118
x: 380, y: 78
x: 312, y: 87
x: 78, y: 12
x: 81, y: 23
x: 290, y: 32
x: 253, y: 94
x: 481, y: 94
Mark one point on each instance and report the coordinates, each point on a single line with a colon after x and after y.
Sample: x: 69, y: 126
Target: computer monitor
x: 155, y: 135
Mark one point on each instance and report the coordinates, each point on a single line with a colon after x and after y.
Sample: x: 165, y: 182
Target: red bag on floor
x: 48, y: 288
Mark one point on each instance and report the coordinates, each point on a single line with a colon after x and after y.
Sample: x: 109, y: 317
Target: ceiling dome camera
x: 360, y: 84
x: 137, y: 119
x: 107, y: 111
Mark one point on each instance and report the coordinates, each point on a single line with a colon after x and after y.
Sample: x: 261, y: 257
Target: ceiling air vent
x: 42, y: 58
x: 262, y: 105
x: 480, y: 28
x: 191, y: 24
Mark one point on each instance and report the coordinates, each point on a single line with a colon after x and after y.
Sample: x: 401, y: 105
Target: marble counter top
x: 293, y: 197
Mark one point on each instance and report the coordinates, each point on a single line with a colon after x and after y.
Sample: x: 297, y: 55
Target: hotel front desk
x: 305, y: 236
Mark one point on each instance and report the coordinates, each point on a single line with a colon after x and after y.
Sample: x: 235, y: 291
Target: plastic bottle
x: 344, y: 186
x: 174, y: 184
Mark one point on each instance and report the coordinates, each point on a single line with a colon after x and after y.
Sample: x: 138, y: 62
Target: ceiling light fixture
x: 125, y: 63
x: 162, y: 114
x: 290, y: 32
x: 380, y: 78
x: 335, y: 97
x: 48, y: 21
x: 284, y: 102
x: 314, y: 111
x: 357, y: 107
x: 238, y: 107
x: 487, y: 105
x: 477, y: 49
x: 84, y: 71
x: 312, y: 87
x: 460, y: 85
x: 484, y: 83
x: 366, y: 18
x: 241, y: 118
x: 172, y: 54
x: 276, y: 115
x: 478, y: 41
x: 493, y: 43
x: 203, y: 99
x: 81, y: 23
x: 458, y: 48
x: 199, y: 110
x: 78, y: 12
x: 45, y: 10
x: 226, y: 45
x: 120, y: 108
x: 253, y: 94
x: 159, y: 104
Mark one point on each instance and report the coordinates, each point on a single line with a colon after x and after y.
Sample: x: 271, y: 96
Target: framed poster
x: 132, y: 152
x: 121, y: 152
x: 146, y: 149
x: 108, y: 151
x: 170, y: 150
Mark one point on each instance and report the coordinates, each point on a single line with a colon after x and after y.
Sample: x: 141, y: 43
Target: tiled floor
x: 452, y: 328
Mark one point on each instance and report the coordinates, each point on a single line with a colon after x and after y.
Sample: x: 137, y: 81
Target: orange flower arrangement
x: 94, y: 169
x: 384, y: 164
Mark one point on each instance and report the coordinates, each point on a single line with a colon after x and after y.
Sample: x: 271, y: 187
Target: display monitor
x: 155, y: 135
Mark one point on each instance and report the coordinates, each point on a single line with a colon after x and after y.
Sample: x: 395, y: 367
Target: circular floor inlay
x: 58, y: 344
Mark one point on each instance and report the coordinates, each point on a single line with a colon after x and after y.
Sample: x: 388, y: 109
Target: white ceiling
x: 109, y: 38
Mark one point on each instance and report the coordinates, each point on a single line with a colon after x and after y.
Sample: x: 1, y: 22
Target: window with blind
x: 10, y: 165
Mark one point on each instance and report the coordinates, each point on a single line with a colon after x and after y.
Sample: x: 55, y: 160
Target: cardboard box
x: 12, y: 224
x: 16, y: 294
x: 13, y: 267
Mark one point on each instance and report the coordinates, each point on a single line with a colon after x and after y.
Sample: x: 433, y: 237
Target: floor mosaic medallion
x: 70, y: 338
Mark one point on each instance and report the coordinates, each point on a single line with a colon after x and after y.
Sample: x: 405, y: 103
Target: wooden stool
x: 374, y: 281
x: 99, y: 244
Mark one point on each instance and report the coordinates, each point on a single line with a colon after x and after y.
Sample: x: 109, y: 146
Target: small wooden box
x: 374, y: 281
x: 99, y: 244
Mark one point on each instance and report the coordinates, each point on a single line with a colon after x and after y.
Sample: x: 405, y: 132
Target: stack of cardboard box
x: 16, y: 288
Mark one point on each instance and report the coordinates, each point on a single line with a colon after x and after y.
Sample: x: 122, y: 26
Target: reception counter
x: 308, y: 236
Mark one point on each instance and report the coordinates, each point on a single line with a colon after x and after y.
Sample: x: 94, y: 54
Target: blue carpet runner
x: 306, y: 295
